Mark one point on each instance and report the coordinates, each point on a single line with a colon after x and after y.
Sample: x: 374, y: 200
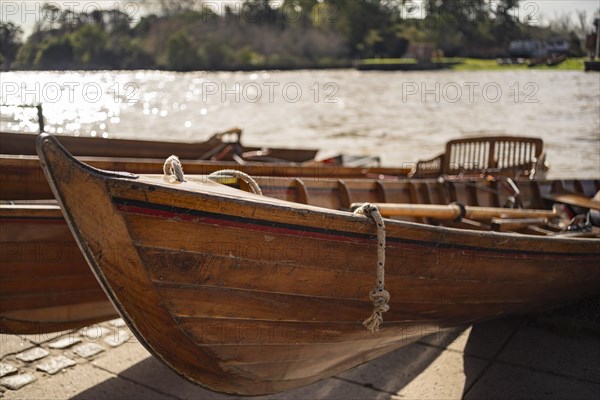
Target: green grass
x: 475, y: 64
x: 388, y: 61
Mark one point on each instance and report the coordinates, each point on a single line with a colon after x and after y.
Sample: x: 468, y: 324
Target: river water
x: 401, y: 116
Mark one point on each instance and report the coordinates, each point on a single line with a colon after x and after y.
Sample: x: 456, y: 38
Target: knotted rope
x: 240, y: 175
x: 172, y: 166
x: 378, y: 295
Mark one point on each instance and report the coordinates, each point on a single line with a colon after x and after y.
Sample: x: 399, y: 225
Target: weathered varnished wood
x: 512, y: 156
x: 21, y: 177
x: 250, y: 294
x: 33, y: 229
x: 24, y: 144
x: 45, y: 283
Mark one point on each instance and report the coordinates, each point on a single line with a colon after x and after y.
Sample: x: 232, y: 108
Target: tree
x: 54, y: 53
x: 359, y: 20
x: 90, y: 46
x: 181, y: 54
x: 10, y: 41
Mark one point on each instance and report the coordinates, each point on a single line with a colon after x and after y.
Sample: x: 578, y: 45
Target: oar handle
x: 454, y: 211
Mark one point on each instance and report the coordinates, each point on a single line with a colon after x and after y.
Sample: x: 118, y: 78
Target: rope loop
x: 379, y: 296
x: 240, y: 175
x: 172, y: 166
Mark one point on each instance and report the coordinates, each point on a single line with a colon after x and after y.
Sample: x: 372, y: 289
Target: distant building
x: 533, y: 48
x: 557, y: 46
x: 527, y: 48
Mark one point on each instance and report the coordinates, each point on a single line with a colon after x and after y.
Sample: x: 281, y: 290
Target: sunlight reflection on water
x: 400, y: 116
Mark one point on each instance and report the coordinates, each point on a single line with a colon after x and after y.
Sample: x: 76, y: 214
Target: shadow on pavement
x: 378, y: 379
x: 528, y: 359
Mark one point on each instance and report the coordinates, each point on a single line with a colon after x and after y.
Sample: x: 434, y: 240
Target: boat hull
x: 250, y: 295
x: 24, y: 144
x: 45, y: 283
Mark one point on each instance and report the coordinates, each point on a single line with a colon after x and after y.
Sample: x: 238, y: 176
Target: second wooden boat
x: 247, y: 294
x: 45, y: 283
x: 223, y: 146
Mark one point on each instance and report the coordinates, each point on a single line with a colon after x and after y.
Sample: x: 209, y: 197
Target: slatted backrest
x: 507, y: 155
x: 425, y: 169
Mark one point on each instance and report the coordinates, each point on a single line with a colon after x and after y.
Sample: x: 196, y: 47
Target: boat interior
x: 570, y: 199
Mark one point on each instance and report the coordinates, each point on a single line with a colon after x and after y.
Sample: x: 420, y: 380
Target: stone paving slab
x: 502, y: 382
x: 94, y: 333
x: 12, y: 344
x: 482, y: 340
x: 84, y: 382
x: 117, y: 339
x: 411, y: 371
x: 7, y: 369
x: 55, y: 364
x: 65, y: 342
x: 16, y: 382
x: 87, y: 350
x: 31, y: 355
x: 331, y: 389
x: 545, y: 350
x: 44, y: 337
x: 122, y: 358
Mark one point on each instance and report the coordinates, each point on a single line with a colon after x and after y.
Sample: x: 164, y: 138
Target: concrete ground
x: 516, y: 358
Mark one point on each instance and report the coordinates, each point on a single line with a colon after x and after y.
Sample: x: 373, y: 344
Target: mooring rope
x: 378, y: 295
x: 172, y: 166
x: 240, y: 175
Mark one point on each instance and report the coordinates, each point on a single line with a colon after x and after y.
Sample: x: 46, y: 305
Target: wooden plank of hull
x: 108, y: 214
x: 58, y: 318
x: 45, y: 283
x: 23, y: 179
x: 174, y: 268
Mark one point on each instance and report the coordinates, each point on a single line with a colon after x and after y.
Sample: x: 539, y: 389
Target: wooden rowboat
x: 248, y: 294
x: 40, y: 261
x: 221, y: 146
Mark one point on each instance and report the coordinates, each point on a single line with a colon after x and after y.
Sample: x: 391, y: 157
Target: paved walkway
x: 503, y: 359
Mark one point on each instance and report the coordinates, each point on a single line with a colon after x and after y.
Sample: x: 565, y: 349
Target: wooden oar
x: 453, y: 211
x: 574, y: 199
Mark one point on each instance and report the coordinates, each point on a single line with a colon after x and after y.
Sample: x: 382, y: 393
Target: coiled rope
x: 378, y: 295
x: 240, y: 175
x: 172, y: 166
